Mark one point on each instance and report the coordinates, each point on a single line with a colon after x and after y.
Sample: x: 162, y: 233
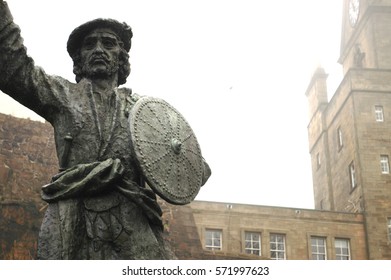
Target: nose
x: 98, y: 48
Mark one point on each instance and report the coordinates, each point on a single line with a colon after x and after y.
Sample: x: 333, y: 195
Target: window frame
x: 212, y: 246
x: 384, y: 164
x: 379, y: 113
x: 340, y: 255
x: 250, y: 250
x: 339, y: 138
x: 352, y: 175
x: 317, y: 252
x: 276, y: 243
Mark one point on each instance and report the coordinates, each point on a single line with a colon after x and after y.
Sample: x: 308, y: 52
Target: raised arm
x: 19, y: 77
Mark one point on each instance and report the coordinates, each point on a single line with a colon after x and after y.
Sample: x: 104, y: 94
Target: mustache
x: 96, y: 57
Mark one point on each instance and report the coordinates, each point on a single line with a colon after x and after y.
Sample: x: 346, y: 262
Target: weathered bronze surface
x: 167, y: 150
x: 109, y: 141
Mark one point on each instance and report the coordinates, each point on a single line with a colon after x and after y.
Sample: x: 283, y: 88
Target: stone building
x: 349, y: 136
x: 278, y: 232
x: 349, y: 143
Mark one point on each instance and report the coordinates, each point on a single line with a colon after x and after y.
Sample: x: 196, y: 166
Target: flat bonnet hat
x: 122, y: 30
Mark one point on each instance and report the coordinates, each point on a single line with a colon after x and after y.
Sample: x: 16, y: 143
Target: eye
x: 89, y: 43
x: 109, y: 43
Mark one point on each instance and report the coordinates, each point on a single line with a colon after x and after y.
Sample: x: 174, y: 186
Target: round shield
x: 166, y: 149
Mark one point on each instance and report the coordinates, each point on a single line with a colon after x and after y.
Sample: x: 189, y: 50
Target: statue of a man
x: 98, y: 205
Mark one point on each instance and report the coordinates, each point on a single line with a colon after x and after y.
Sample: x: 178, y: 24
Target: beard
x: 99, y: 67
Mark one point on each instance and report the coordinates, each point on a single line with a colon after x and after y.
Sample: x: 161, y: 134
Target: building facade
x: 279, y: 233
x: 349, y: 136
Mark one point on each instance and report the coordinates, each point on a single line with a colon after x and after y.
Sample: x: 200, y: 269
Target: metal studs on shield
x: 166, y: 149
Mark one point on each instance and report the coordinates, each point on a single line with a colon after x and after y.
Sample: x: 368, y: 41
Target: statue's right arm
x: 19, y: 77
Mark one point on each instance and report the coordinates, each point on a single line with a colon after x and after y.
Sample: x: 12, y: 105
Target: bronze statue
x: 109, y: 141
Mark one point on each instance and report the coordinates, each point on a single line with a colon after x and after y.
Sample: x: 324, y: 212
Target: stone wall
x: 181, y: 231
x: 27, y: 161
x: 19, y: 226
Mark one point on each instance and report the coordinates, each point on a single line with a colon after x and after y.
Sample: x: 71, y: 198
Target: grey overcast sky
x: 236, y: 69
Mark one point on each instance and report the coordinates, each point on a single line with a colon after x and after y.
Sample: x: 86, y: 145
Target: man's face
x: 100, y: 54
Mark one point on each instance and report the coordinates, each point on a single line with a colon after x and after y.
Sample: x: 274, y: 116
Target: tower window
x: 342, y: 249
x: 352, y: 174
x: 339, y: 138
x: 318, y: 162
x: 379, y: 114
x: 384, y: 164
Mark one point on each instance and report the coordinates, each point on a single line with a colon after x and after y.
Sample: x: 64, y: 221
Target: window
x: 252, y: 243
x: 318, y: 248
x: 277, y: 246
x: 384, y: 164
x: 352, y: 174
x: 379, y: 115
x: 318, y: 161
x: 342, y: 249
x: 213, y: 239
x: 339, y: 138
x: 389, y: 229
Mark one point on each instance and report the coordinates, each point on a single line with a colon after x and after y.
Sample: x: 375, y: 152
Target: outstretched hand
x: 5, y: 14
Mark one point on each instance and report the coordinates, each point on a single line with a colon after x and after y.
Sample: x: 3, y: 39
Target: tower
x: 350, y: 135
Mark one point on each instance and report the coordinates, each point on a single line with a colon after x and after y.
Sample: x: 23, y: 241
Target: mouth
x: 98, y: 60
